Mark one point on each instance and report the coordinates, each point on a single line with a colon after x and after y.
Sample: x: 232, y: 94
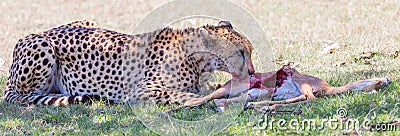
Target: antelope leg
x: 251, y: 105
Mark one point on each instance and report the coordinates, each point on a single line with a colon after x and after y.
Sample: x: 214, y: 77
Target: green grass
x: 102, y: 119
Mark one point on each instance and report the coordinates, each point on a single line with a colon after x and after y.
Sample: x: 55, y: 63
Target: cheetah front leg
x: 215, y: 85
x: 232, y: 88
x: 149, y: 90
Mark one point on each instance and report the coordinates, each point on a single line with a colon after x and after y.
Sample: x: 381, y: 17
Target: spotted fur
x: 79, y: 61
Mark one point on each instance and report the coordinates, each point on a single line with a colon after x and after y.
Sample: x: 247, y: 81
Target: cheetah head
x: 230, y: 46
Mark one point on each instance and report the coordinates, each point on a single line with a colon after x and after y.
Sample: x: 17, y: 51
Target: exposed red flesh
x: 282, y: 75
x: 256, y: 80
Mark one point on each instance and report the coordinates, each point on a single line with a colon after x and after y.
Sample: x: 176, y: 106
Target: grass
x: 102, y: 119
x: 296, y: 30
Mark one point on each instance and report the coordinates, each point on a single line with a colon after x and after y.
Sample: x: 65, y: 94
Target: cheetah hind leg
x: 33, y: 75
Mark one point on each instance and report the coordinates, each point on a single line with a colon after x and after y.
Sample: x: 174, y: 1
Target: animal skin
x: 286, y: 87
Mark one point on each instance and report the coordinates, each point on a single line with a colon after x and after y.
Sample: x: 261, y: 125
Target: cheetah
x: 78, y: 62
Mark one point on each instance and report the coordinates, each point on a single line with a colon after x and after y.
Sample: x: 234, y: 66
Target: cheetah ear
x: 225, y: 24
x: 205, y: 36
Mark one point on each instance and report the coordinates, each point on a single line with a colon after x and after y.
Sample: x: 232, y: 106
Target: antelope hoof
x: 388, y: 82
x: 220, y: 109
x: 248, y: 105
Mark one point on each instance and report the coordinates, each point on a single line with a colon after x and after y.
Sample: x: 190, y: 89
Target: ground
x: 296, y: 31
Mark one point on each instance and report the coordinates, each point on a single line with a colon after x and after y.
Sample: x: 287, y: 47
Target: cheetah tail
x: 47, y: 99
